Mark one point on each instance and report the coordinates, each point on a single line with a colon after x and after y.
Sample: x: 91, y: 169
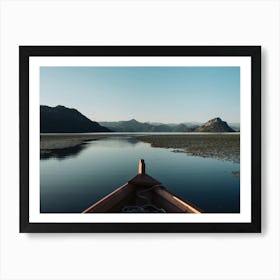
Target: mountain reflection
x: 63, y: 153
x: 72, y: 152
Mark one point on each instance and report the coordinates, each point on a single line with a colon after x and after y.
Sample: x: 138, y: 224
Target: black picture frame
x: 254, y: 52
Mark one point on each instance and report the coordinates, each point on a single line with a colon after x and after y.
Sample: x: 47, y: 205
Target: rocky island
x: 215, y: 125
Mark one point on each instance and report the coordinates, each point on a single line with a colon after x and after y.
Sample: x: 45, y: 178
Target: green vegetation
x: 220, y: 146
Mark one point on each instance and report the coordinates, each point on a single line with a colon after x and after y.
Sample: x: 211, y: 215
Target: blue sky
x: 156, y: 94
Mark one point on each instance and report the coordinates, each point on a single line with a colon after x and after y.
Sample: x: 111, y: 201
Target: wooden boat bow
x: 142, y: 194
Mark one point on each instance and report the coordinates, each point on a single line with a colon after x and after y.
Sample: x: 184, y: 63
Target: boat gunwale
x: 160, y: 190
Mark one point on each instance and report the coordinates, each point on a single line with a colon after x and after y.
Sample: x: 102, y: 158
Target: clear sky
x: 156, y: 94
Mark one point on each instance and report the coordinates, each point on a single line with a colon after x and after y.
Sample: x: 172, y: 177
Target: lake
x: 76, y: 178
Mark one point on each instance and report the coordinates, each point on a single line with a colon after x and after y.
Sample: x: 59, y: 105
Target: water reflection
x: 73, y: 179
x: 71, y: 152
x: 62, y: 154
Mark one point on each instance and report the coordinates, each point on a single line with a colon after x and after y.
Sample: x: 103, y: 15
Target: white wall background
x: 139, y: 256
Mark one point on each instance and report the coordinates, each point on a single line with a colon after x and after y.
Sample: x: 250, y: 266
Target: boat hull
x: 142, y: 194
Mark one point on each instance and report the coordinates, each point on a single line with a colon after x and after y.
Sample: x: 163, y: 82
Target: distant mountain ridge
x: 215, y: 125
x: 61, y: 119
x: 136, y: 126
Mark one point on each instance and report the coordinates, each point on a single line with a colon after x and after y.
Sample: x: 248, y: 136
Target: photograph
x: 140, y: 139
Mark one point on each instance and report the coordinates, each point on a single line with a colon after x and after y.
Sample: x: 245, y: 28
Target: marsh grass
x: 220, y: 146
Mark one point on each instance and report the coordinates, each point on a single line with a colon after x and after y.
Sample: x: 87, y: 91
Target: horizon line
x: 90, y: 117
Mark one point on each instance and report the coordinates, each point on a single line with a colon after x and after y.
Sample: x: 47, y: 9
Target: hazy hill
x: 215, y: 125
x: 61, y: 119
x: 135, y: 126
x: 182, y: 128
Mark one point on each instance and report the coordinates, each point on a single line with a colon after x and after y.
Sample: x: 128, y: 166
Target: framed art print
x: 140, y: 138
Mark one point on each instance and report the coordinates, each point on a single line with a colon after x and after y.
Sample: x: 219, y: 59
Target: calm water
x: 75, y: 179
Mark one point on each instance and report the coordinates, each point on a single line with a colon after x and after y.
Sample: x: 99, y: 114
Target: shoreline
x: 219, y: 146
x: 49, y: 143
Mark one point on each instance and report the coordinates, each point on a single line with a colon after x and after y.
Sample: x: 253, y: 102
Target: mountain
x: 61, y: 119
x: 181, y: 128
x: 215, y: 125
x: 193, y: 124
x: 136, y: 126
